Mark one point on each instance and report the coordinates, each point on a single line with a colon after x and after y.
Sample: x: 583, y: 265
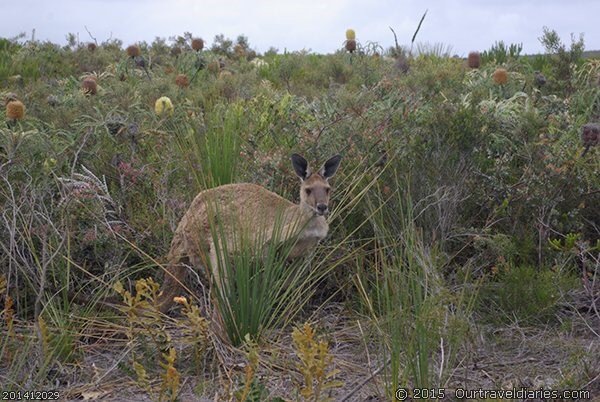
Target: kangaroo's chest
x: 315, y: 231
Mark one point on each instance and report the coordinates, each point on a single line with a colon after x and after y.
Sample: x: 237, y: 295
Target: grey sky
x: 317, y: 25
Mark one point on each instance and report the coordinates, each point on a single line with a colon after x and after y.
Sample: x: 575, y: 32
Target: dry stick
x: 12, y: 225
x: 417, y: 31
x: 91, y: 36
x: 85, y: 137
x: 396, y: 41
x: 38, y: 300
x: 362, y: 384
x: 42, y: 288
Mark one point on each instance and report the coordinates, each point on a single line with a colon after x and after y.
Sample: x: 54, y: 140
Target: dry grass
x: 495, y: 358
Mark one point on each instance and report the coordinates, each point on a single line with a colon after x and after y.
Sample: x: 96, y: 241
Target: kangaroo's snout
x: 322, y: 209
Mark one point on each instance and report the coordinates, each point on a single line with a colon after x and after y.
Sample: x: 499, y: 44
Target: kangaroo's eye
x: 327, y: 190
x: 308, y: 191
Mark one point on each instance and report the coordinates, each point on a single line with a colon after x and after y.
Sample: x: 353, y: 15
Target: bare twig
x: 417, y: 31
x: 85, y: 137
x: 365, y: 381
x: 396, y: 42
x: 91, y: 36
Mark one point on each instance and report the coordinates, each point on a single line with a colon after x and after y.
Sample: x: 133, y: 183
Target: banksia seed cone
x: 214, y: 67
x: 91, y: 47
x: 89, y: 86
x: 115, y: 124
x: 197, y: 44
x: 239, y: 51
x: 176, y: 51
x: 351, y: 45
x: 182, y: 80
x: 350, y: 34
x: 163, y: 106
x: 133, y: 51
x: 540, y: 79
x: 500, y: 76
x: 15, y: 110
x: 474, y: 60
x: 52, y: 100
x: 140, y: 62
x: 590, y: 135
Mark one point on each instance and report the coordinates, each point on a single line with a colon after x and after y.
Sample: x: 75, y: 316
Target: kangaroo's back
x: 233, y: 207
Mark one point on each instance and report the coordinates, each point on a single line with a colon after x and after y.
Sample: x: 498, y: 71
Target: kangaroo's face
x: 315, y: 189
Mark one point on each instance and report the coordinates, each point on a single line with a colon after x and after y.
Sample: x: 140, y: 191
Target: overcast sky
x: 316, y: 25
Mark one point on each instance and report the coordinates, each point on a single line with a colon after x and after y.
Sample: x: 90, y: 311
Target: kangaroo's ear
x: 300, y: 166
x: 330, y: 167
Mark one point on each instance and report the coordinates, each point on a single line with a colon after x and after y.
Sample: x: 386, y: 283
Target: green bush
x: 526, y: 294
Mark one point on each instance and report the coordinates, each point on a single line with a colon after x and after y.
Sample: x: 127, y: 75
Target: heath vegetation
x: 464, y: 233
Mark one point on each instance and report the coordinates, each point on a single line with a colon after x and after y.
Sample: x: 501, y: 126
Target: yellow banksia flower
x: 350, y: 34
x: 164, y: 106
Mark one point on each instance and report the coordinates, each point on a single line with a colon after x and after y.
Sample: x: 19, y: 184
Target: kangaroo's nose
x: 321, y: 209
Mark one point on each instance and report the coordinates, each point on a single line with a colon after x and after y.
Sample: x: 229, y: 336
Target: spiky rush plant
x: 474, y: 60
x: 500, y: 76
x: 254, y: 286
x: 403, y: 292
x: 221, y: 145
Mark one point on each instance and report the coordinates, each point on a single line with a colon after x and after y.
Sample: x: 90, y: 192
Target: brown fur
x: 246, y: 208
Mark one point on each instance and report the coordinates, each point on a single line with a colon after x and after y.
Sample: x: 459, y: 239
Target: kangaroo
x: 253, y: 207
